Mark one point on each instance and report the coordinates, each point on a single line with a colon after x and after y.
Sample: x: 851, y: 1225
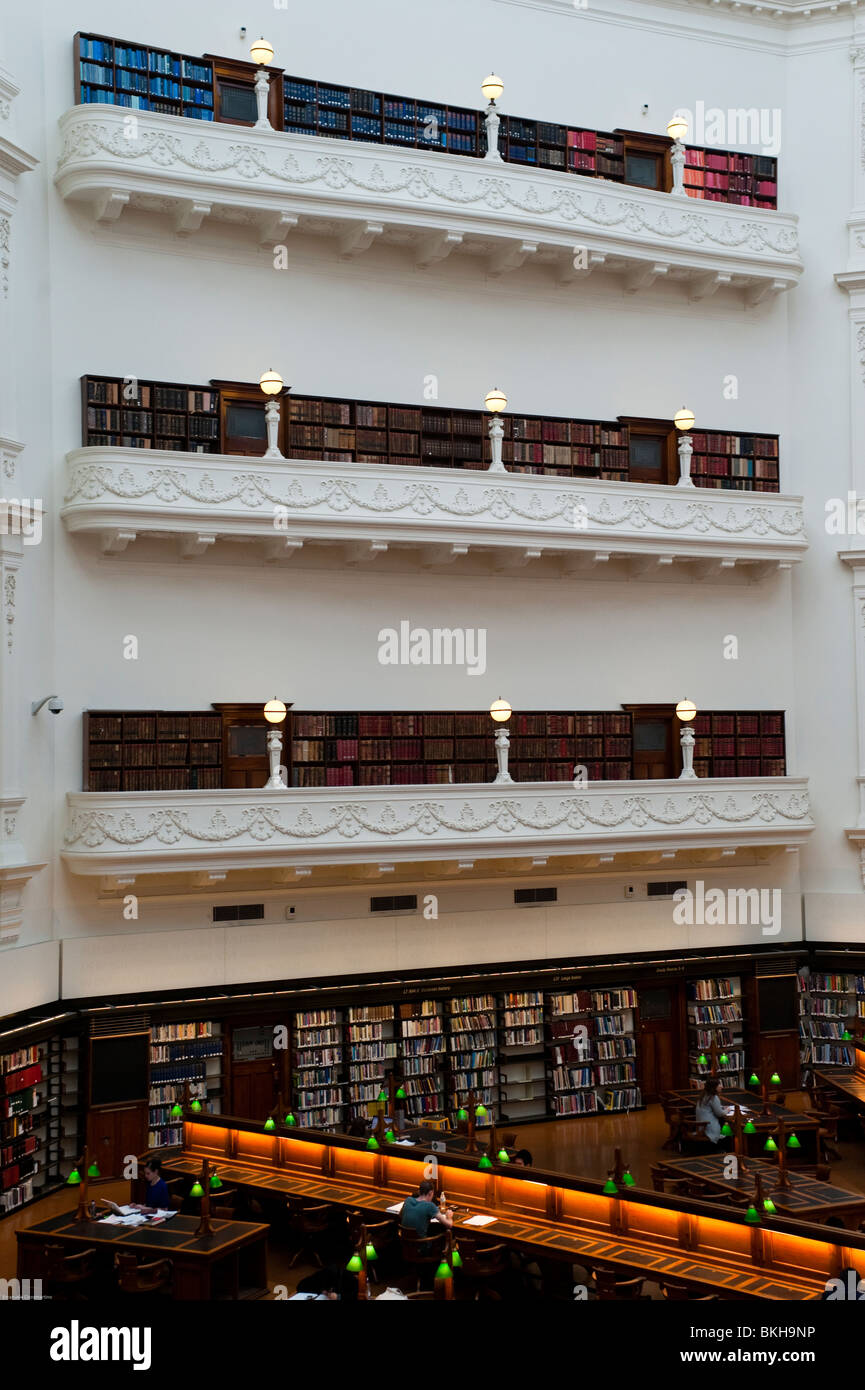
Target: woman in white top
x: 710, y: 1112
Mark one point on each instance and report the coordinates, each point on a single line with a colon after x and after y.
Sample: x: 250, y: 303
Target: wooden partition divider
x: 776, y: 1258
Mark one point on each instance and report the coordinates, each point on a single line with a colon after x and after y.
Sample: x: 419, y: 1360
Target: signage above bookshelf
x: 120, y: 73
x: 133, y: 413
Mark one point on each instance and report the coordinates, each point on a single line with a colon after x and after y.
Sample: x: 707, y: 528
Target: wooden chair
x: 152, y: 1278
x: 828, y: 1121
x: 662, y: 1181
x: 612, y: 1287
x: 421, y: 1253
x: 68, y: 1276
x: 307, y: 1221
x: 483, y: 1266
x: 422, y: 1295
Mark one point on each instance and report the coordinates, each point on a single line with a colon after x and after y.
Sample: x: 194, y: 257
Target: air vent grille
x: 406, y: 902
x: 536, y: 895
x: 239, y: 912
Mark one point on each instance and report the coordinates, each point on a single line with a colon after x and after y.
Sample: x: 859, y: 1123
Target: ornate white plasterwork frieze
x: 227, y: 496
x: 401, y: 188
x: 161, y: 831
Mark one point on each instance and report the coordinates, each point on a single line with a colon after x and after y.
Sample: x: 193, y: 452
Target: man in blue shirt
x: 419, y: 1211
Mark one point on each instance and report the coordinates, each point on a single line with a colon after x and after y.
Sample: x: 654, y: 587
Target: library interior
x: 439, y: 872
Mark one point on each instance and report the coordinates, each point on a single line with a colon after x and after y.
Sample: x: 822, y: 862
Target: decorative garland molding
x: 163, y: 832
x: 123, y: 493
x: 441, y: 204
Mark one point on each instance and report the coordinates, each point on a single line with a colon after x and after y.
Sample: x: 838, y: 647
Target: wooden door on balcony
x: 659, y: 1039
x: 655, y: 746
x: 257, y: 1070
x: 244, y: 745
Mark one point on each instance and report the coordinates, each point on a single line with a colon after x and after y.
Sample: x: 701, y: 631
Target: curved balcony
x: 197, y: 500
x: 282, y: 184
x: 129, y: 834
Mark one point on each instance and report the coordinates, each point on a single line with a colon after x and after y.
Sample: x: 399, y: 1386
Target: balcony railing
x: 116, y: 72
x: 127, y: 834
x: 443, y: 515
x: 273, y: 185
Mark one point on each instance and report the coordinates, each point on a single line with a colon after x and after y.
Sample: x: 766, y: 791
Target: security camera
x: 54, y: 703
x: 243, y: 31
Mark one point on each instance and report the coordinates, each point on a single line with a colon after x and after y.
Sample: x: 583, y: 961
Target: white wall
x: 136, y: 300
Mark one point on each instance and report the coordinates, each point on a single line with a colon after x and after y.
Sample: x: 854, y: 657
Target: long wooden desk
x: 804, y: 1127
x: 230, y: 1263
x: 805, y: 1198
x: 850, y: 1083
x: 550, y: 1215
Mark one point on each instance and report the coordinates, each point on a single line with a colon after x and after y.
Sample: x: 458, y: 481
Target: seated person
x: 522, y: 1158
x: 710, y: 1112
x: 419, y: 1211
x: 157, y: 1188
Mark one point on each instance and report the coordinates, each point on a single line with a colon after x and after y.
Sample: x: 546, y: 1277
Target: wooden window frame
x: 640, y: 142
x: 658, y: 429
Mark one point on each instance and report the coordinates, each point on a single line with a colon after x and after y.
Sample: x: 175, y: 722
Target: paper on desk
x: 395, y: 1209
x: 480, y: 1221
x: 164, y: 1213
x: 406, y: 1143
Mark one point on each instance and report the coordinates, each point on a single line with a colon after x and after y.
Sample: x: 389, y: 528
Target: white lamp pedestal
x: 262, y: 96
x: 274, y: 754
x: 503, y: 745
x: 677, y: 159
x: 491, y: 120
x: 497, y: 434
x: 687, y: 742
x: 271, y: 415
x: 686, y: 449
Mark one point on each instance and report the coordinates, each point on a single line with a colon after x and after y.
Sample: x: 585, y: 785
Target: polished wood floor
x: 581, y: 1146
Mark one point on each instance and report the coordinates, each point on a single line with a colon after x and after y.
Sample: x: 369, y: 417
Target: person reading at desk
x: 418, y: 1211
x: 157, y: 1188
x: 710, y: 1112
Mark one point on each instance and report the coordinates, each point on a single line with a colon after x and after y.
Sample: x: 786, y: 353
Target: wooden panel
x: 114, y: 1134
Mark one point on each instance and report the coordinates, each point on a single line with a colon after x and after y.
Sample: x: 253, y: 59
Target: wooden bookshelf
x: 472, y: 1051
x: 39, y: 1129
x: 167, y: 750
x: 152, y: 750
x: 320, y: 1087
x: 744, y: 744
x: 150, y: 415
x: 167, y: 415
x: 522, y: 1085
x: 828, y: 1003
x: 181, y: 1054
x: 727, y: 176
x: 371, y: 1049
x: 422, y: 1058
x: 716, y: 1014
x: 118, y: 73
x: 591, y: 1051
x: 614, y: 1061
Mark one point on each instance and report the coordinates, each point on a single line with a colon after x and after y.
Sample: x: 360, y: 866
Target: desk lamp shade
x: 793, y: 1142
x: 749, y: 1127
x: 769, y: 1207
x: 400, y: 1093
x: 390, y: 1136
x: 723, y: 1059
x: 726, y: 1131
x: 355, y: 1264
x: 270, y: 1123
x: 774, y: 1079
x: 176, y: 1110
x: 195, y: 1106
x: 196, y: 1190
x: 372, y: 1142
x: 456, y: 1258
x: 752, y: 1216
x: 610, y: 1187
x: 481, y: 1111
x: 770, y: 1146
x: 215, y: 1182
x: 382, y: 1095
x: 444, y: 1271
x: 702, y: 1060
x: 290, y: 1119
x: 485, y: 1161
x: 846, y: 1036
x: 93, y: 1170
x: 371, y: 1252
x: 74, y: 1177
x: 753, y: 1079
x: 462, y: 1113
x: 502, y: 1156
x: 628, y: 1179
